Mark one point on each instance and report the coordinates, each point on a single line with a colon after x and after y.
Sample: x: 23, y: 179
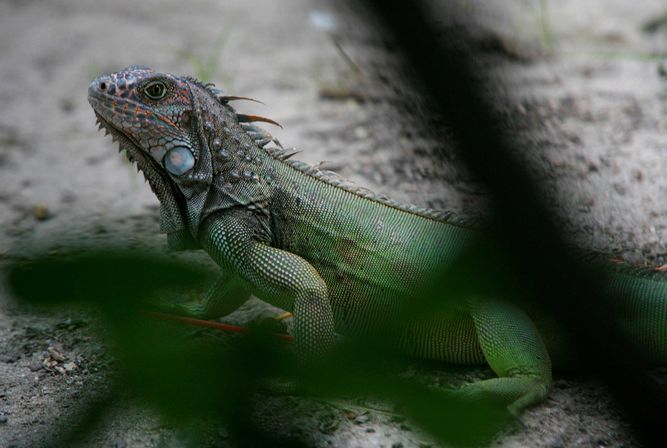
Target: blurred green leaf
x: 189, y: 379
x: 110, y: 278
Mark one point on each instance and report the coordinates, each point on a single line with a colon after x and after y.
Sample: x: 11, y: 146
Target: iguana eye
x: 155, y: 90
x: 179, y: 160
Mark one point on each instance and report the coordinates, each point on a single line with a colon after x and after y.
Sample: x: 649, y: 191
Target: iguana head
x: 153, y: 111
x: 157, y: 119
x: 197, y: 153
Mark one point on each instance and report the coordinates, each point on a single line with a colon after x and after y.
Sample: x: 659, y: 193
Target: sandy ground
x: 583, y: 90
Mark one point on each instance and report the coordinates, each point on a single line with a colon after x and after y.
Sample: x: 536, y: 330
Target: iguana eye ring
x: 155, y: 90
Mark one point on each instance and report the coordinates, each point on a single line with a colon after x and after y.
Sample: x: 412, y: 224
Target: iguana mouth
x: 147, y: 165
x: 129, y: 145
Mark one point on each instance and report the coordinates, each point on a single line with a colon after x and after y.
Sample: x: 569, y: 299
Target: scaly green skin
x: 340, y: 258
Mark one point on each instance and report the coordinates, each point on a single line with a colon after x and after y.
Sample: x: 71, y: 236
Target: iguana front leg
x: 226, y: 295
x: 277, y: 276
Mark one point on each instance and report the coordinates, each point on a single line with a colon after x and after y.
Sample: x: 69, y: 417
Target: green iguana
x: 340, y: 258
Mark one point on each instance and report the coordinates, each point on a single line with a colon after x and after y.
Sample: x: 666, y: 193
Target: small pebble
x: 362, y: 418
x: 36, y: 365
x: 41, y: 212
x: 3, y: 418
x: 662, y: 70
x: 55, y: 354
x: 70, y: 367
x: 361, y: 132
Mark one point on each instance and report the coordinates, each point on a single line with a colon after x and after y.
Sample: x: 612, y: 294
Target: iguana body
x: 340, y: 258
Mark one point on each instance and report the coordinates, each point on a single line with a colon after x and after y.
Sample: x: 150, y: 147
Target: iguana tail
x: 642, y: 312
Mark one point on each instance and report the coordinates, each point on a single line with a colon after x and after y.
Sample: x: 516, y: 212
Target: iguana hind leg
x: 514, y: 350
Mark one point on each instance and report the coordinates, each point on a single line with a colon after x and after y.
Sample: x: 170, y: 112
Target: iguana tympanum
x: 341, y: 259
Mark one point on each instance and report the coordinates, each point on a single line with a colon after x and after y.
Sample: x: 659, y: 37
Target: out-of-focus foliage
x: 188, y: 380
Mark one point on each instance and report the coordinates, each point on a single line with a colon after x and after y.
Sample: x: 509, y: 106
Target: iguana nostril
x: 103, y: 86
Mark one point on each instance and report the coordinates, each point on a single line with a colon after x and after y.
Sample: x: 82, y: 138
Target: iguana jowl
x: 339, y: 258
